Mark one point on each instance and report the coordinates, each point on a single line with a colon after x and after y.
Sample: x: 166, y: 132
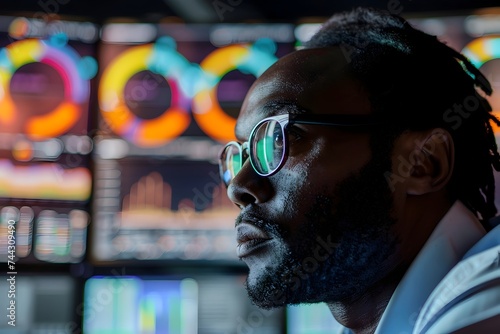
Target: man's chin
x: 273, y: 289
x: 274, y: 295
x: 285, y: 285
x: 266, y: 296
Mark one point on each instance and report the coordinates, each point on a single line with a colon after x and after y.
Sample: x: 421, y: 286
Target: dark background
x: 193, y: 11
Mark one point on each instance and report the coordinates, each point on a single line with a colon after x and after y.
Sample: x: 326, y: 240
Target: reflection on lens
x: 231, y: 162
x: 267, y: 147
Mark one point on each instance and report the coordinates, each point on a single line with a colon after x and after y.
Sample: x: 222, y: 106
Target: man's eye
x: 278, y: 138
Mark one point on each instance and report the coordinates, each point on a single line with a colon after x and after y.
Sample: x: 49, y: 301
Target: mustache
x: 250, y: 217
x: 260, y: 219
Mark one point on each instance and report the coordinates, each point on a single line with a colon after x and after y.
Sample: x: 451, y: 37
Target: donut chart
x: 193, y: 87
x: 253, y: 59
x: 480, y: 51
x: 73, y: 70
x: 117, y: 114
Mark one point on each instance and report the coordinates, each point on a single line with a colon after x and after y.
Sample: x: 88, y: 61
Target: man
x: 365, y: 176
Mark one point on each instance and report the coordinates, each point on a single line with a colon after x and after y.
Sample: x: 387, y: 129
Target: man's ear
x: 432, y: 162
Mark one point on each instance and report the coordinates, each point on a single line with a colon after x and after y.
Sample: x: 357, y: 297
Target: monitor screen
x: 45, y: 140
x: 163, y: 305
x: 311, y: 319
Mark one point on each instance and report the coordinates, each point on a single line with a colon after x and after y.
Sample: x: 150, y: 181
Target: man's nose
x: 248, y: 187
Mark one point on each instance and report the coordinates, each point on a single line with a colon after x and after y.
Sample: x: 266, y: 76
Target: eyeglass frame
x: 284, y: 120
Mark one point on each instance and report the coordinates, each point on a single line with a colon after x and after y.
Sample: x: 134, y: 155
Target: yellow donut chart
x: 67, y: 63
x: 247, y: 58
x: 482, y: 50
x: 206, y: 109
x: 18, y: 54
x: 117, y: 114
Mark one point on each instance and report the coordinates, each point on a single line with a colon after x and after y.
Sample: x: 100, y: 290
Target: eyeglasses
x: 267, y: 146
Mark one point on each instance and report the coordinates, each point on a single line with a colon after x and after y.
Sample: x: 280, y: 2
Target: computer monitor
x: 45, y: 140
x: 208, y: 304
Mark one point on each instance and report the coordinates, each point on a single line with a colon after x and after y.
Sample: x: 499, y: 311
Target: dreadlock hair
x: 411, y: 75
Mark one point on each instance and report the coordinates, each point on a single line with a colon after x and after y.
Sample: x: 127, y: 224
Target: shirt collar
x: 457, y: 231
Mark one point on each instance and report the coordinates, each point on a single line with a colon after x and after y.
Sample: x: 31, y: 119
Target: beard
x: 341, y: 249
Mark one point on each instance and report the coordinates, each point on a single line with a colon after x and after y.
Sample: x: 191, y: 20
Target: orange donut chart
x: 207, y: 111
x: 114, y: 110
x: 480, y: 51
x: 56, y: 54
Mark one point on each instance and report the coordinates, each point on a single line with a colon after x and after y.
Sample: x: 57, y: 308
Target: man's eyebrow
x: 276, y: 108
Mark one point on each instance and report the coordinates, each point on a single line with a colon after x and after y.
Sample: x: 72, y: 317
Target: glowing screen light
x: 130, y: 305
x: 113, y: 105
x: 253, y: 59
x: 480, y: 51
x: 311, y: 319
x: 44, y: 181
x: 188, y: 82
x: 75, y: 72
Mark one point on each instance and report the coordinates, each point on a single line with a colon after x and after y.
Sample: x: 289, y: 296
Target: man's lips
x: 250, y: 238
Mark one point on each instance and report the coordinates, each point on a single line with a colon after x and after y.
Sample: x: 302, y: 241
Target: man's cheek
x: 289, y: 190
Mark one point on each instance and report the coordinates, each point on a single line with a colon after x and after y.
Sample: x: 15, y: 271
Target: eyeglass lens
x: 231, y: 162
x: 267, y: 151
x: 267, y: 147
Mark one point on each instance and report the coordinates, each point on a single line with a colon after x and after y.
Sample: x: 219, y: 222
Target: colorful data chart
x: 480, y: 51
x: 189, y: 84
x: 48, y: 181
x: 61, y: 237
x: 130, y: 305
x: 21, y: 228
x: 75, y: 72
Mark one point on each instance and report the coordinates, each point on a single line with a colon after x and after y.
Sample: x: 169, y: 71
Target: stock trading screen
x: 45, y: 143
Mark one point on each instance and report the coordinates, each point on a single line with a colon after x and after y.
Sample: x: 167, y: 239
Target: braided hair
x: 411, y: 75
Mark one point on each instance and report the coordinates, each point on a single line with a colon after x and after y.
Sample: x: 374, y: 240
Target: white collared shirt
x: 454, y: 235
x: 434, y: 279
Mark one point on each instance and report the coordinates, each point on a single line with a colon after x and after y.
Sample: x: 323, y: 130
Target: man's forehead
x: 309, y: 59
x: 300, y: 81
x: 247, y: 119
x: 307, y: 65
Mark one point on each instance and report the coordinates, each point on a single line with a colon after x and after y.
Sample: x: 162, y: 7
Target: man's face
x: 320, y: 229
